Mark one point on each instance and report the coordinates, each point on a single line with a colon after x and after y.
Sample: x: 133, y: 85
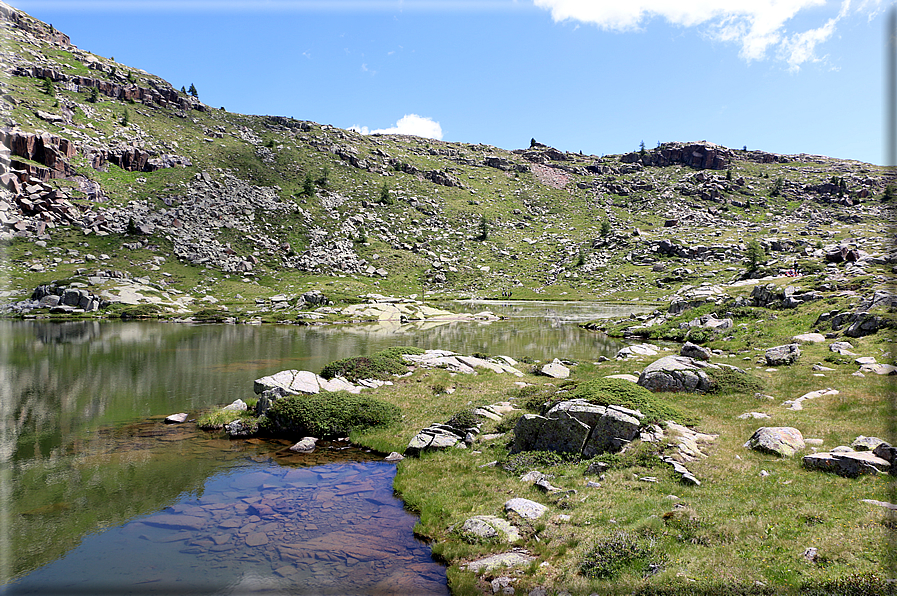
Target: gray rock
x: 582, y: 410
x: 305, y: 445
x: 238, y: 429
x: 525, y: 508
x: 842, y: 347
x: 555, y: 369
x: 493, y: 562
x: 490, y: 527
x: 267, y: 399
x: 779, y: 355
x: 676, y: 373
x: 612, y: 431
x: 862, y: 443
x: 850, y: 464
x: 176, y: 418
x: 563, y: 434
x: 394, y: 456
x: 432, y: 439
x: 690, y: 350
x: 595, y: 468
x: 238, y: 405
x: 783, y: 441
x: 808, y: 338
x: 291, y: 382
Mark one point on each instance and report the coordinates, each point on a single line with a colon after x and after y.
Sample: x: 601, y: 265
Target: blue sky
x: 597, y: 76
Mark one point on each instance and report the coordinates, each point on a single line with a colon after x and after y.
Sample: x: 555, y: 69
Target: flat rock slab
x: 850, y: 464
x: 176, y: 418
x: 512, y: 559
x: 809, y: 338
x: 783, y: 441
x: 526, y: 508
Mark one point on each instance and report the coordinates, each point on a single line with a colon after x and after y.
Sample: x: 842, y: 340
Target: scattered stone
x: 783, y: 441
x: 555, y: 369
x: 842, y: 347
x: 516, y: 558
x: 238, y: 405
x: 690, y: 350
x: 394, y: 456
x: 490, y: 526
x: 526, y: 508
x: 753, y: 415
x: 305, y: 445
x: 808, y: 338
x: 862, y: 443
x: 176, y: 418
x: 779, y: 355
x: 636, y: 350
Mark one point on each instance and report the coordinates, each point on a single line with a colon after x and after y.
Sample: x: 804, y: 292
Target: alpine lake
x: 99, y: 496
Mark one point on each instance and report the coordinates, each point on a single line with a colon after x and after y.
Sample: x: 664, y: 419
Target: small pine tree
x: 777, y: 187
x: 484, y: 228
x: 729, y: 174
x: 308, y: 187
x: 888, y: 194
x: 192, y: 91
x: 125, y: 117
x: 580, y: 258
x: 641, y: 149
x: 605, y: 228
x: 94, y: 95
x: 324, y: 178
x: 183, y: 90
x: 48, y: 87
x: 756, y: 256
x: 385, y: 197
x: 532, y: 142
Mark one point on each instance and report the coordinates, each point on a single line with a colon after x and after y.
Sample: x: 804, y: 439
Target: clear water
x: 86, y: 463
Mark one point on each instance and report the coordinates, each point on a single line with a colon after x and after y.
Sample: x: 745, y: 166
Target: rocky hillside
x: 109, y: 172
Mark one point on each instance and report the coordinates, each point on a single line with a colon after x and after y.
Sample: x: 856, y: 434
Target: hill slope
x: 111, y: 169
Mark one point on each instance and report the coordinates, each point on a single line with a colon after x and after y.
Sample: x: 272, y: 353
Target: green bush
x: 623, y: 552
x: 867, y: 584
x: 330, y: 414
x: 140, y: 311
x: 464, y: 419
x: 534, y: 397
x: 727, y: 381
x: 382, y: 365
x: 619, y: 392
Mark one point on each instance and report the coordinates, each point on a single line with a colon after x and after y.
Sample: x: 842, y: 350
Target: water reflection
x: 75, y: 460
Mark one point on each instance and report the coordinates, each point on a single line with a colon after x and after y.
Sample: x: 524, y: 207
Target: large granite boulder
x: 690, y: 350
x: 783, y: 441
x: 779, y: 355
x: 612, y: 431
x: 563, y: 434
x: 676, y: 373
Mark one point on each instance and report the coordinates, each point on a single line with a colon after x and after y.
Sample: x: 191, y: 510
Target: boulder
x: 862, y: 443
x: 555, y: 369
x: 779, y: 355
x: 690, y: 350
x: 291, y: 382
x: 676, y: 373
x: 305, y: 445
x: 783, y: 441
x: 850, y: 464
x: 564, y: 434
x: 433, y: 438
x: 525, y: 508
x: 487, y: 527
x: 582, y: 410
x: 176, y: 418
x: 611, y: 433
x: 238, y: 405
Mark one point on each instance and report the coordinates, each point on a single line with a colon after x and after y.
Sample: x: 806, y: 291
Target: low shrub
x: 140, y: 311
x: 210, y: 315
x: 465, y: 418
x: 623, y: 552
x: 866, y: 584
x: 619, y: 392
x: 330, y: 414
x: 382, y: 365
x: 728, y: 381
x: 534, y: 397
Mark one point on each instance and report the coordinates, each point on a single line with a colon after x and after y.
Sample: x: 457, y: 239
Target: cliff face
x: 105, y: 155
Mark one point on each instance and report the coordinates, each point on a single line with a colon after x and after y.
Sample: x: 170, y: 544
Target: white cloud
x: 757, y: 25
x: 409, y: 124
